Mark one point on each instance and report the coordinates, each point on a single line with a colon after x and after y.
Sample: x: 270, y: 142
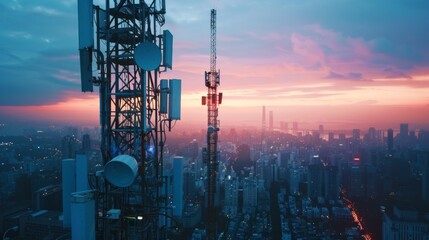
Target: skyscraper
x: 250, y: 197
x: 69, y: 147
x: 271, y: 122
x: 331, y: 137
x: 321, y: 129
x: 356, y: 134
x: 332, y: 182
x: 389, y: 140
x: 295, y: 127
x: 86, y: 143
x: 403, y: 130
x: 314, y: 181
x: 231, y: 195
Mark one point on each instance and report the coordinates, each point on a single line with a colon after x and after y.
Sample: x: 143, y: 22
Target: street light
x: 7, y: 231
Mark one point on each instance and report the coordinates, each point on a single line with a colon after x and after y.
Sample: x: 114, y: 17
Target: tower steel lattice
x: 131, y: 122
x: 211, y: 155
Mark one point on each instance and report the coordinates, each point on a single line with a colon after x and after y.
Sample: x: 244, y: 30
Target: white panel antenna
x: 174, y: 99
x: 86, y: 43
x: 167, y: 57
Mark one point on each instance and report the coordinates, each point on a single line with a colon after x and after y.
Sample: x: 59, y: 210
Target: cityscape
x: 116, y: 122
x: 275, y: 181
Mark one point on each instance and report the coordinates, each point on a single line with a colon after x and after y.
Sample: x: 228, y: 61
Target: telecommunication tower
x: 211, y: 155
x: 136, y: 108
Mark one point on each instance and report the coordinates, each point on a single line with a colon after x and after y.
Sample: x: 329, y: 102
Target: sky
x: 341, y: 63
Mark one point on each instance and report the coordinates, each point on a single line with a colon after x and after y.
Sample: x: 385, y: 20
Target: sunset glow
x: 338, y: 67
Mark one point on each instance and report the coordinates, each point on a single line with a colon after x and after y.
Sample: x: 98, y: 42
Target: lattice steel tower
x: 130, y: 51
x: 211, y: 155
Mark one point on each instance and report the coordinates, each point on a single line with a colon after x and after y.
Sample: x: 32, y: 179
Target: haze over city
x: 343, y: 64
x: 214, y: 119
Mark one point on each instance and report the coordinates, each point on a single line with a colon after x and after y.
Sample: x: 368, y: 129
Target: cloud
x: 47, y: 79
x: 347, y: 76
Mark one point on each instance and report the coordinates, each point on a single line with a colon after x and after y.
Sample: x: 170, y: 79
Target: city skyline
x: 353, y: 64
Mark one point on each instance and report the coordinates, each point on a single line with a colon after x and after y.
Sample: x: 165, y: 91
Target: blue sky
x: 286, y: 54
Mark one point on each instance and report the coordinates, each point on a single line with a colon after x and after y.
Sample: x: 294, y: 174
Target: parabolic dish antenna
x: 121, y: 170
x: 147, y: 56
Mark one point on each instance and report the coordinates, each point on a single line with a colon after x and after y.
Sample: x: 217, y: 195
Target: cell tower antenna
x: 130, y: 53
x: 211, y: 155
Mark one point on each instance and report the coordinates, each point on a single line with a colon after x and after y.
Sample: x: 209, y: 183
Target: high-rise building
x: 178, y: 186
x: 284, y: 126
x: 294, y: 180
x: 271, y: 122
x: 69, y: 147
x: 314, y: 181
x: 356, y: 134
x: 231, y: 195
x: 357, y: 179
x: 389, y: 140
x: 86, y: 143
x: 192, y: 213
x: 332, y: 182
x: 331, y: 137
x: 404, y: 224
x: 250, y: 194
x: 403, y: 130
x: 321, y: 129
x: 295, y: 127
x: 189, y: 179
x: 48, y: 198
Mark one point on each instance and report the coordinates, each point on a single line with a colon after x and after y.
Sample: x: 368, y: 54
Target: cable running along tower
x: 211, y: 155
x: 130, y: 51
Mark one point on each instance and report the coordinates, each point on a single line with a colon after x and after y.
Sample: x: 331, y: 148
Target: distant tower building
x: 357, y: 179
x: 69, y: 147
x: 371, y: 134
x: 389, y: 140
x: 294, y: 180
x: 356, y: 134
x: 403, y: 135
x: 404, y: 224
x: 332, y: 182
x: 178, y: 186
x: 231, y: 195
x: 403, y: 130
x: 271, y: 122
x: 264, y: 123
x: 314, y: 181
x: 295, y: 127
x: 284, y: 126
x: 48, y: 198
x: 86, y: 143
x: 341, y: 136
x: 331, y: 137
x: 194, y: 149
x: 321, y: 129
x: 250, y: 195
x: 189, y: 189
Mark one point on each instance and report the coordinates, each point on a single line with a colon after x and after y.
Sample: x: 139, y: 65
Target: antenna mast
x: 211, y: 156
x: 130, y: 51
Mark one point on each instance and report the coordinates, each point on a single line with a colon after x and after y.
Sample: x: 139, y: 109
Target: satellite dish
x: 147, y: 56
x: 121, y: 170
